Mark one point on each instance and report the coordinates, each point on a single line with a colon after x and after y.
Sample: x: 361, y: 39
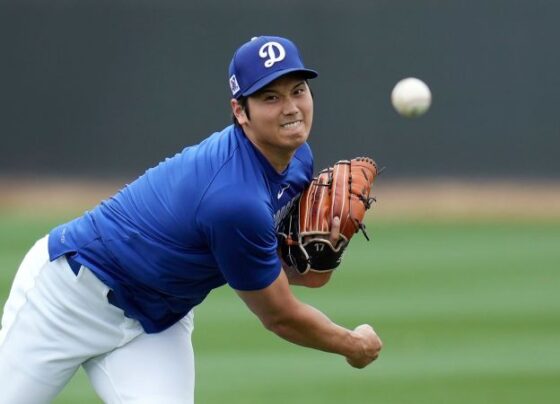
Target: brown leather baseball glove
x: 330, y: 211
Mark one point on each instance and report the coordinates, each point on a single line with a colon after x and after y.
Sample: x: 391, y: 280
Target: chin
x: 296, y: 141
x: 301, y: 135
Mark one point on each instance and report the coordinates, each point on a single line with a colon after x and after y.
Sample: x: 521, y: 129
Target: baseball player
x: 114, y: 290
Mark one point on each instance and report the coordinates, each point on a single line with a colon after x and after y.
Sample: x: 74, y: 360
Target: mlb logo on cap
x: 261, y: 61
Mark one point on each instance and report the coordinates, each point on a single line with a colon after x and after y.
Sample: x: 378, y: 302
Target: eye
x: 270, y: 98
x: 300, y: 90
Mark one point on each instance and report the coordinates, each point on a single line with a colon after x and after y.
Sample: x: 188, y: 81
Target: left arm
x: 312, y: 279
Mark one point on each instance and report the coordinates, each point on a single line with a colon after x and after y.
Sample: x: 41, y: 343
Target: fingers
x: 335, y: 230
x: 371, y: 346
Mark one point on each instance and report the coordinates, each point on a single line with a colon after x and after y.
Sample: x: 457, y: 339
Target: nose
x: 290, y: 106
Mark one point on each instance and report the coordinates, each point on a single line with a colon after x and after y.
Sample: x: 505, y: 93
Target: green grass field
x: 469, y: 312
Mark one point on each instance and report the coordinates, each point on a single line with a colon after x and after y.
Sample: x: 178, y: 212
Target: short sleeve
x: 241, y: 236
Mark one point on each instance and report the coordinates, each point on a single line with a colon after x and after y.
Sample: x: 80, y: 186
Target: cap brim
x: 307, y: 73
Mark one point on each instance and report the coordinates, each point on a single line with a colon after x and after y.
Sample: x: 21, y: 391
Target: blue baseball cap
x: 262, y: 60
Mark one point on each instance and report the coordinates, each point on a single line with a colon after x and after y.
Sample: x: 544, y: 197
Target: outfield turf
x: 469, y: 311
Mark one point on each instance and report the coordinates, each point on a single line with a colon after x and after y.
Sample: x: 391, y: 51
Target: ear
x: 238, y: 111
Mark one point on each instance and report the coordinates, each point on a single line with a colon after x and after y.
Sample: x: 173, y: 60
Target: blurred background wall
x: 109, y: 88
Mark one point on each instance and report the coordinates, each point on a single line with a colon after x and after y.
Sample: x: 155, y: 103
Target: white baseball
x: 411, y: 97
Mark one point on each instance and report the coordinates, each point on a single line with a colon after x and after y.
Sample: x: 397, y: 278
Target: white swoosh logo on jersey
x: 281, y: 192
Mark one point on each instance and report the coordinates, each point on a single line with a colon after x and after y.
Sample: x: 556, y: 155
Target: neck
x: 279, y: 160
x: 279, y: 164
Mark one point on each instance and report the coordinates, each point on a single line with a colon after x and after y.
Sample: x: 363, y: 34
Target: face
x: 281, y: 116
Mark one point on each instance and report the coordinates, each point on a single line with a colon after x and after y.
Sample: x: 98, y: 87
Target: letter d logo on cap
x: 273, y: 51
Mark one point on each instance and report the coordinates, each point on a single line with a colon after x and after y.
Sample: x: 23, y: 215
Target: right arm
x: 282, y: 313
x: 241, y: 234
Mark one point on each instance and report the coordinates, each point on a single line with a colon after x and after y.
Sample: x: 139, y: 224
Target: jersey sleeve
x: 242, y: 239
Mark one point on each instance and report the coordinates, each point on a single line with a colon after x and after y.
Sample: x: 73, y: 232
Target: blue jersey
x: 202, y: 218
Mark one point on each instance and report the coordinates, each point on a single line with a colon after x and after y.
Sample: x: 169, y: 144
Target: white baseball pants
x: 55, y: 321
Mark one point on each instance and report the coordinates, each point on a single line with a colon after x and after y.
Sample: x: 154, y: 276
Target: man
x: 114, y: 289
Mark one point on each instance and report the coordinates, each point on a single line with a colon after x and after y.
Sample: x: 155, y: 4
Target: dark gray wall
x: 108, y: 88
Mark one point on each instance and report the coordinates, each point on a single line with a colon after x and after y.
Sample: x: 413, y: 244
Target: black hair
x: 243, y: 102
